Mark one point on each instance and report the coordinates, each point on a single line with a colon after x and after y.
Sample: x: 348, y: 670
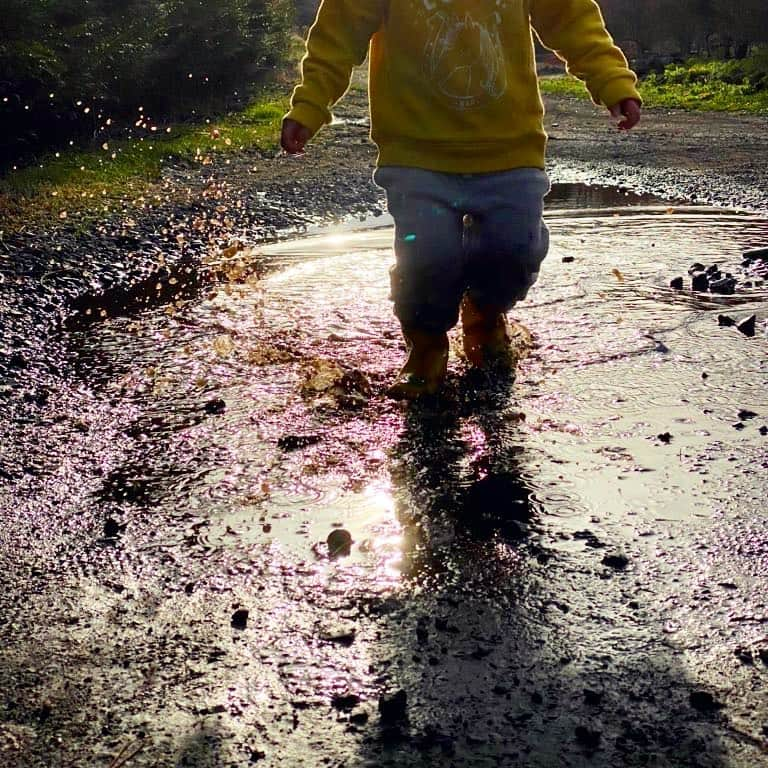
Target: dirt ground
x: 171, y: 468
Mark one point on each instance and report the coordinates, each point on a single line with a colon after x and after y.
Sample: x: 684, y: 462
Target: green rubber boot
x: 426, y: 367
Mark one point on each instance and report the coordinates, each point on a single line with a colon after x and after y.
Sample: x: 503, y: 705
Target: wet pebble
x: 703, y: 701
x: 345, y: 702
x: 724, y: 321
x: 588, y: 738
x: 215, y: 406
x: 745, y: 415
x: 664, y: 437
x: 343, y: 633
x: 569, y: 259
x: 295, y: 442
x: 339, y: 543
x: 724, y: 286
x: 240, y: 619
x: 393, y: 706
x: 676, y: 283
x: 699, y: 282
x: 747, y: 326
x: 616, y: 561
x: 593, y: 698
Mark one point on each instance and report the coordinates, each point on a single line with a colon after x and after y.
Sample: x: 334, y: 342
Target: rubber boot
x: 425, y: 368
x: 488, y: 339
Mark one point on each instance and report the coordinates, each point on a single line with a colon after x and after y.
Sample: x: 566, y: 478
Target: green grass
x: 91, y: 180
x: 697, y: 85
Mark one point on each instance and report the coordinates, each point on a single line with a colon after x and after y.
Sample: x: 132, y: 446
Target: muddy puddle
x: 514, y: 543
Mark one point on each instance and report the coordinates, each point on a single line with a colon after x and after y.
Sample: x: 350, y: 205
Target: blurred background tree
x: 66, y: 66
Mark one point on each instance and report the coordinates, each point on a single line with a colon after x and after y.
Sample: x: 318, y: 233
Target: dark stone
x: 676, y: 283
x: 345, y: 702
x: 112, y: 528
x: 240, y: 619
x: 589, y: 539
x: 745, y: 415
x: 588, y: 738
x: 664, y: 437
x: 618, y: 562
x: 593, y: 698
x: 359, y: 716
x: 703, y: 701
x: 756, y: 254
x: 699, y: 282
x: 725, y: 322
x: 696, y: 267
x: 725, y: 286
x: 294, y: 442
x: 712, y: 270
x: 339, y: 543
x: 762, y: 654
x: 393, y: 707
x: 763, y: 431
x: 739, y: 426
x: 569, y: 259
x: 215, y: 406
x: 747, y: 327
x: 17, y: 360
x: 744, y: 655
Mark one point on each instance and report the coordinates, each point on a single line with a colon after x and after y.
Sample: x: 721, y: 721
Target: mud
x: 567, y: 569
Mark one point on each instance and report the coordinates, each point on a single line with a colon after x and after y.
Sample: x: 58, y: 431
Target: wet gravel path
x: 562, y: 647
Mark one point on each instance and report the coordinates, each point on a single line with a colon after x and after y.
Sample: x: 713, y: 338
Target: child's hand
x: 294, y: 136
x: 627, y: 113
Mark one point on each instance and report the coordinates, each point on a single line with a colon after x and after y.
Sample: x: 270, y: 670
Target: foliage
x: 78, y: 184
x: 705, y: 85
x: 68, y: 66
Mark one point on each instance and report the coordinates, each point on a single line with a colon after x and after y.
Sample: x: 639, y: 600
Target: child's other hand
x: 294, y: 136
x: 626, y: 113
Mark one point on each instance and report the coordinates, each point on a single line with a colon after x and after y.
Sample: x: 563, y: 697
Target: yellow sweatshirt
x: 453, y: 83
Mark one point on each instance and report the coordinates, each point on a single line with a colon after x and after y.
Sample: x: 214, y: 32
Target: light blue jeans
x: 480, y: 234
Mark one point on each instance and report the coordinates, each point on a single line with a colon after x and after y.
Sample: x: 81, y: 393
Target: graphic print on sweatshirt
x: 463, y: 56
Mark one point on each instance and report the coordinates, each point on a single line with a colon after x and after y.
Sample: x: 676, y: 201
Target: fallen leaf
x: 617, y: 275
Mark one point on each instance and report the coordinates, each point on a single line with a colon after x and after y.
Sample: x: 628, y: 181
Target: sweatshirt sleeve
x: 575, y: 31
x: 337, y: 42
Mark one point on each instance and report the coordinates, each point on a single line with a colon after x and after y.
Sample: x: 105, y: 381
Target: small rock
x: 294, y: 442
x: 240, y: 619
x: 111, y: 528
x: 756, y: 254
x: 588, y: 738
x: 339, y: 543
x: 341, y: 632
x: 359, y: 716
x: 699, y: 282
x: 696, y: 267
x: 763, y: 431
x: 739, y: 426
x: 725, y: 322
x: 215, y: 406
x: 703, y: 701
x: 664, y: 437
x: 618, y: 562
x: 393, y: 707
x: 762, y: 654
x: 345, y: 702
x: 724, y: 286
x: 676, y: 283
x: 714, y: 269
x: 569, y: 259
x: 745, y: 415
x: 593, y: 698
x: 744, y: 655
x: 747, y: 327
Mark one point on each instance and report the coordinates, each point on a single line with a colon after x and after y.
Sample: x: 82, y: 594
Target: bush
x: 750, y: 73
x: 66, y: 66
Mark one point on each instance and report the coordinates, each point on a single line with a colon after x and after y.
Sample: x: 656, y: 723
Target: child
x: 457, y: 117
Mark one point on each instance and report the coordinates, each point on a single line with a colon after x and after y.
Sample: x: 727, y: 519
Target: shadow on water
x: 512, y: 654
